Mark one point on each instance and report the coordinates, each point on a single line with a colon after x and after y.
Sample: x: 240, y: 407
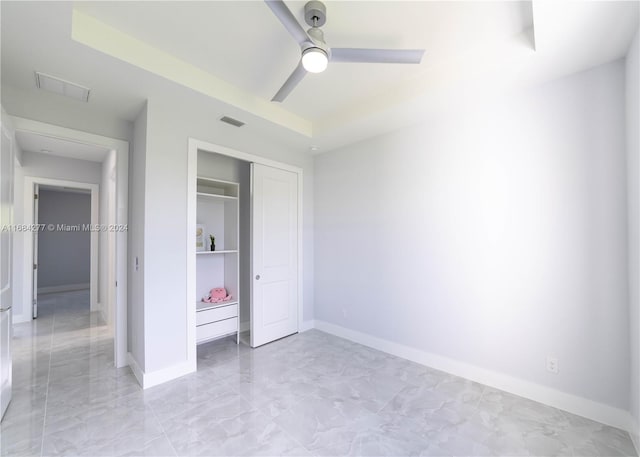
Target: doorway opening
x: 64, y: 253
x: 74, y: 165
x: 271, y: 247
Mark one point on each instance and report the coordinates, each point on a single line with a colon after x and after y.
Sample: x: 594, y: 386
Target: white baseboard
x: 581, y: 406
x: 167, y: 374
x: 154, y: 378
x: 62, y: 288
x: 307, y: 325
x: 102, y: 315
x: 21, y: 318
x: 304, y: 326
x: 634, y: 432
x: 135, y: 368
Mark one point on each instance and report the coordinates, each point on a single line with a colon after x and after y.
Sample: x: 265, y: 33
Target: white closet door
x: 274, y: 291
x: 6, y: 218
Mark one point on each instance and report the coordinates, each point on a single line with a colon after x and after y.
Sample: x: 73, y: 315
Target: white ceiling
x: 245, y: 44
x: 247, y: 53
x: 33, y: 142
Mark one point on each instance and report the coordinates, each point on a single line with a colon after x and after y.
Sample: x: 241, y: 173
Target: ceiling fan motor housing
x: 315, y: 13
x: 317, y: 36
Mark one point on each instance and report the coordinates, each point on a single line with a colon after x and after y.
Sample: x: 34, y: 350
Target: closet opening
x: 244, y: 265
x: 223, y: 248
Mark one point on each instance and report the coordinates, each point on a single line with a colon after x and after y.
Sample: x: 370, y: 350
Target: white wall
x: 40, y: 165
x: 65, y: 112
x: 493, y: 234
x: 63, y: 256
x: 170, y: 124
x: 633, y: 167
x: 135, y: 293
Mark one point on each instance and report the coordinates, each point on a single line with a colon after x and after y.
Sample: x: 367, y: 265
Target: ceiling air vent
x: 62, y: 87
x: 231, y: 121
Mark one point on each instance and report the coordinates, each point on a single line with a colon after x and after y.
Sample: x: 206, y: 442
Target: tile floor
x: 309, y: 394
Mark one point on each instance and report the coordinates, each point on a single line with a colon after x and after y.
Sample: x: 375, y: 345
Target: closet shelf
x: 217, y: 196
x: 217, y: 214
x: 201, y: 306
x: 214, y: 187
x: 226, y: 251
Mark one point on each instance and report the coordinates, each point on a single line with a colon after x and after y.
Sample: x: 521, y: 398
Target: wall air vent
x: 62, y: 87
x: 231, y: 121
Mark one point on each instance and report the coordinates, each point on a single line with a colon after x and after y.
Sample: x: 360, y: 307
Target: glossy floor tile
x: 311, y: 394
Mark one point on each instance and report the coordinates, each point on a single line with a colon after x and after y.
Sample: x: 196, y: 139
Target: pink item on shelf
x: 217, y: 295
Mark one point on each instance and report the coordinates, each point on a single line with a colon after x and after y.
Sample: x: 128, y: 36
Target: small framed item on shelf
x: 200, y: 240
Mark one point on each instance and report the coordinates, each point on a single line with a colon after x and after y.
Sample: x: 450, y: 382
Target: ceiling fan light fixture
x: 316, y: 53
x: 315, y: 60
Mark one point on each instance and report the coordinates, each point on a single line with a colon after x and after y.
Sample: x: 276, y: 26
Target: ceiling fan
x: 315, y: 52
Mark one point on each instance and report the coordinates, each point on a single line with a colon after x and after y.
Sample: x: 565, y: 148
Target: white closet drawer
x: 216, y: 314
x: 220, y: 328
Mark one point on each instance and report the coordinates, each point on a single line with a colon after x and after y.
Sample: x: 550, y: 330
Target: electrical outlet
x: 552, y: 364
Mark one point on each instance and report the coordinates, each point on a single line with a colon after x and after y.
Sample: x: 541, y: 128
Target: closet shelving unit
x: 217, y: 211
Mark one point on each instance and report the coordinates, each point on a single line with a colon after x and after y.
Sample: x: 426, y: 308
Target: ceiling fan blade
x: 290, y: 83
x: 376, y: 55
x: 288, y: 20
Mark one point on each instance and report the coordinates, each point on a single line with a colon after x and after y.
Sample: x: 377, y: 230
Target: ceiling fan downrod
x: 315, y: 13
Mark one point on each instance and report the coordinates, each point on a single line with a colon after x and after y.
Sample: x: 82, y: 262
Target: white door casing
x: 274, y: 284
x: 6, y: 239
x: 36, y: 238
x: 192, y: 167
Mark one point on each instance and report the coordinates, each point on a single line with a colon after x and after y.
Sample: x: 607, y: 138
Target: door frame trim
x: 121, y: 147
x: 29, y: 201
x: 192, y: 173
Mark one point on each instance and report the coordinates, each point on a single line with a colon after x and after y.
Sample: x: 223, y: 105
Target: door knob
x: 257, y: 277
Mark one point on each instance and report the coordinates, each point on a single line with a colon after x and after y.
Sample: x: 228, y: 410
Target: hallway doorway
x: 78, y: 162
x: 63, y: 248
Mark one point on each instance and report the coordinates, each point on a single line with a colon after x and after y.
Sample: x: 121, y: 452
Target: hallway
x: 64, y: 381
